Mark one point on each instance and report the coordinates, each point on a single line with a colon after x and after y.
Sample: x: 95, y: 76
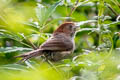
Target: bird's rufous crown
x: 60, y: 28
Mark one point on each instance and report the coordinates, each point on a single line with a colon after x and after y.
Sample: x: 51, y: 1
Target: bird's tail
x: 29, y: 55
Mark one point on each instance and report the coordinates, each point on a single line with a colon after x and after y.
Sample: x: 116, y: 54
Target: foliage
x: 26, y: 24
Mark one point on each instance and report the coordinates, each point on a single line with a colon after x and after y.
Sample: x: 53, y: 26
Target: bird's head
x: 67, y: 28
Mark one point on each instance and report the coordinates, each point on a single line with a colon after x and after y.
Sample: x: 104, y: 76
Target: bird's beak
x: 77, y: 26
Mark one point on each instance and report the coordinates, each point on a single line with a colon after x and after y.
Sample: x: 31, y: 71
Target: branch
x: 33, y: 46
x: 73, y: 9
x: 112, y: 9
x: 29, y: 42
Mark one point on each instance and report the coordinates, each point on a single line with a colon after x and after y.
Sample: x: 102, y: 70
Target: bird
x: 60, y: 45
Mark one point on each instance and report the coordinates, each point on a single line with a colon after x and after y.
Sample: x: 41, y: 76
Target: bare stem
x: 100, y: 13
x: 112, y: 9
x: 29, y: 42
x: 74, y: 8
x: 33, y: 46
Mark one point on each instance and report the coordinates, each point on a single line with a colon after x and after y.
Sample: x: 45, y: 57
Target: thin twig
x: 112, y: 9
x: 116, y: 3
x: 33, y: 46
x: 73, y: 9
x: 52, y: 65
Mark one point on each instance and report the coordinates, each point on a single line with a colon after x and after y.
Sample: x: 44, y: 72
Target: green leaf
x: 43, y: 14
x: 101, y: 68
x: 40, y: 13
x: 67, y: 61
x: 86, y: 2
x: 85, y: 22
x: 13, y: 49
x: 17, y: 67
x: 30, y: 65
x: 113, y: 23
x: 88, y: 29
x: 10, y: 35
x: 13, y: 36
x: 33, y: 24
x: 52, y: 9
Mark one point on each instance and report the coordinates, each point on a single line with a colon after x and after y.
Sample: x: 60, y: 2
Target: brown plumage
x: 58, y: 46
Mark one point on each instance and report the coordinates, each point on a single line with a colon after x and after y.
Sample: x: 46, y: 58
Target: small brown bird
x: 58, y: 46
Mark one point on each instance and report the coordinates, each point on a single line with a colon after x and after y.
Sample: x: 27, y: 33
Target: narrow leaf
x: 52, y: 9
x: 17, y: 67
x: 13, y: 49
x: 85, y: 22
x: 43, y: 14
x: 87, y: 29
x: 40, y: 13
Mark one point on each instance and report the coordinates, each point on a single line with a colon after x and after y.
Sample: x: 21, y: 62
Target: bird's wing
x: 57, y: 44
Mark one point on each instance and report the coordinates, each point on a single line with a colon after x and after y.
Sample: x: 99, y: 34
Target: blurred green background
x: 26, y: 24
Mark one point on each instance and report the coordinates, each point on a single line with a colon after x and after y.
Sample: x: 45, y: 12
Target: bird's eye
x: 70, y: 27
